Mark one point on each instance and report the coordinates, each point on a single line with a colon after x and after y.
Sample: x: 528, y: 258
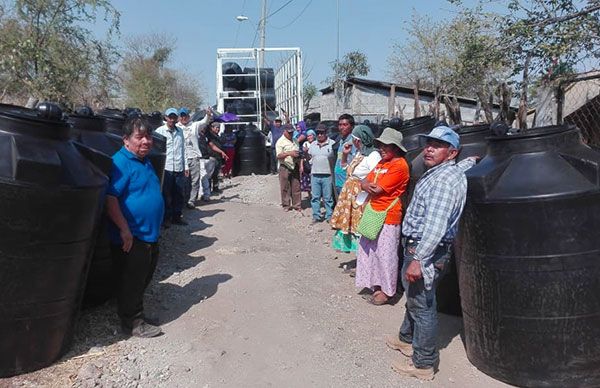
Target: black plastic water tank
x: 50, y: 199
x: 90, y: 130
x: 250, y: 156
x: 115, y: 120
x: 529, y: 263
x: 412, y: 128
x: 155, y: 119
x: 233, y: 78
x: 267, y: 78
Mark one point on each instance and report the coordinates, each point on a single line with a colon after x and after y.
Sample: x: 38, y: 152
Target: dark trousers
x: 289, y: 182
x: 273, y: 163
x: 174, y: 194
x: 215, y: 175
x: 134, y: 272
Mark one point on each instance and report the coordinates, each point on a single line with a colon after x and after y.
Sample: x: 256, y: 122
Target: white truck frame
x: 288, y: 82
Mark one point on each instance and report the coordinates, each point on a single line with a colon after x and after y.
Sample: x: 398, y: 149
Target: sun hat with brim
x: 391, y: 136
x: 441, y: 133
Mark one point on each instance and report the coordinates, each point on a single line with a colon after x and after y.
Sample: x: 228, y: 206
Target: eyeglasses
x: 321, y: 133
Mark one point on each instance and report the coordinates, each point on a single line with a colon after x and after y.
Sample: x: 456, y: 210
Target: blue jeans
x: 420, y: 324
x: 320, y: 185
x: 174, y: 194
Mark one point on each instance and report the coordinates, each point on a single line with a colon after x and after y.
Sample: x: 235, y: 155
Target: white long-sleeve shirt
x: 176, y: 160
x: 190, y: 134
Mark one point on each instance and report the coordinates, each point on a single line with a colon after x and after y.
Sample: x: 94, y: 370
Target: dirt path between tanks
x: 250, y: 296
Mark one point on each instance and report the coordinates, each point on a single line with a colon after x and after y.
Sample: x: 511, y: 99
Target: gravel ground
x: 249, y: 295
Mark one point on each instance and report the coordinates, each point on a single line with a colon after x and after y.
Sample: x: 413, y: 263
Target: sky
x: 200, y: 27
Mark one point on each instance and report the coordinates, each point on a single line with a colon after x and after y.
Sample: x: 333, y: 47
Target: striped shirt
x: 433, y: 213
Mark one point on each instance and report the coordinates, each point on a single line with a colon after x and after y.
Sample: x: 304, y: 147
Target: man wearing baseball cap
x: 176, y: 169
x: 428, y: 230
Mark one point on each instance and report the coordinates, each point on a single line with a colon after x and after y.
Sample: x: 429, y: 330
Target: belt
x: 413, y: 240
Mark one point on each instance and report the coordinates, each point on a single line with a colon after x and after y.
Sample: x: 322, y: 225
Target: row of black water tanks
x: 54, y: 247
x: 528, y: 262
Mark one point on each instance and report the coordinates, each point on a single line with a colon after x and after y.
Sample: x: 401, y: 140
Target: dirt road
x: 250, y: 296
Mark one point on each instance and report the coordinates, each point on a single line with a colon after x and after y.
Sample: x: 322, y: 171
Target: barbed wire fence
x: 578, y: 103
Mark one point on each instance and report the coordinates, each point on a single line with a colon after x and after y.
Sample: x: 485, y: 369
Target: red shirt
x: 392, y: 177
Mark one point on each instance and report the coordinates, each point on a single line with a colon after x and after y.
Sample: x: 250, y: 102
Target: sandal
x: 377, y: 300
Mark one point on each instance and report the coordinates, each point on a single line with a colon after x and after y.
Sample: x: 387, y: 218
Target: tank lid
x: 46, y: 120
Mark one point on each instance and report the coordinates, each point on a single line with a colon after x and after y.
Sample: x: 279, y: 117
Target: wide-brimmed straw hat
x: 391, y: 136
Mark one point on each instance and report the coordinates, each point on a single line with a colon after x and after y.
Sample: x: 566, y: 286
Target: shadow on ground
x: 175, y: 300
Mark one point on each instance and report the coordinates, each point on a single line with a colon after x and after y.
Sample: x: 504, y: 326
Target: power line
x: 279, y: 9
x: 237, y: 32
x: 296, y: 18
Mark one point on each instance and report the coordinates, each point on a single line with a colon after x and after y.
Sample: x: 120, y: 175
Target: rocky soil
x: 250, y: 296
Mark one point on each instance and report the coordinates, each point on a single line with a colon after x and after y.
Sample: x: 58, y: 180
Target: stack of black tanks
x: 239, y: 82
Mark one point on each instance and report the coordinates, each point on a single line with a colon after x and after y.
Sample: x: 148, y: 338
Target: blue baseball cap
x: 184, y: 112
x: 442, y: 133
x: 171, y: 111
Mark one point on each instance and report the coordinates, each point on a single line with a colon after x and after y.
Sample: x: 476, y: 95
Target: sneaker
x: 145, y: 330
x: 395, y: 343
x: 405, y: 367
x: 190, y: 205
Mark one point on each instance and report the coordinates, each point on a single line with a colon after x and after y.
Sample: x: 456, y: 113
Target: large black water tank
x: 267, y: 78
x: 529, y: 263
x: 50, y: 199
x: 412, y: 128
x: 115, y: 121
x: 90, y: 130
x: 250, y: 156
x: 233, y: 78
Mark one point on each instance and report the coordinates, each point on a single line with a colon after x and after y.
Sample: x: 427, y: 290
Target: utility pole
x: 262, y: 26
x: 337, y: 64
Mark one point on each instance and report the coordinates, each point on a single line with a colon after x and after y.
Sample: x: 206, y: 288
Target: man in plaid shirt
x: 428, y: 230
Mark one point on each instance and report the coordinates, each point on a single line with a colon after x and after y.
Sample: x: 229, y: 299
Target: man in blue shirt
x: 135, y: 208
x: 176, y: 169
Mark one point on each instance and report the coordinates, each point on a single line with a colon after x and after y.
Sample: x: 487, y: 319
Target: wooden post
x: 392, y: 100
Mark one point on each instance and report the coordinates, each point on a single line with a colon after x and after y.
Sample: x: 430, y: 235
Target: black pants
x: 134, y: 272
x: 174, y: 194
x: 215, y: 175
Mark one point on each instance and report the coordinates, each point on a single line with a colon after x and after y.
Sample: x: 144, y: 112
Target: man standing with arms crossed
x: 428, y: 229
x: 345, y: 126
x: 176, y: 169
x: 135, y: 207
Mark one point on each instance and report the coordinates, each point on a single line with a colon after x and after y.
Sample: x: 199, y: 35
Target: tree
x: 352, y: 64
x: 309, y: 92
x: 48, y: 54
x: 456, y: 57
x: 425, y: 59
x: 148, y: 82
x: 545, y: 34
x: 544, y: 37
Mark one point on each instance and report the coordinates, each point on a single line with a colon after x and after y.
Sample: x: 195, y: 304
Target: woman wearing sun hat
x: 377, y: 258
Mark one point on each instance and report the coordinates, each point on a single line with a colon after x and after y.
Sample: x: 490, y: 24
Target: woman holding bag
x: 377, y: 257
